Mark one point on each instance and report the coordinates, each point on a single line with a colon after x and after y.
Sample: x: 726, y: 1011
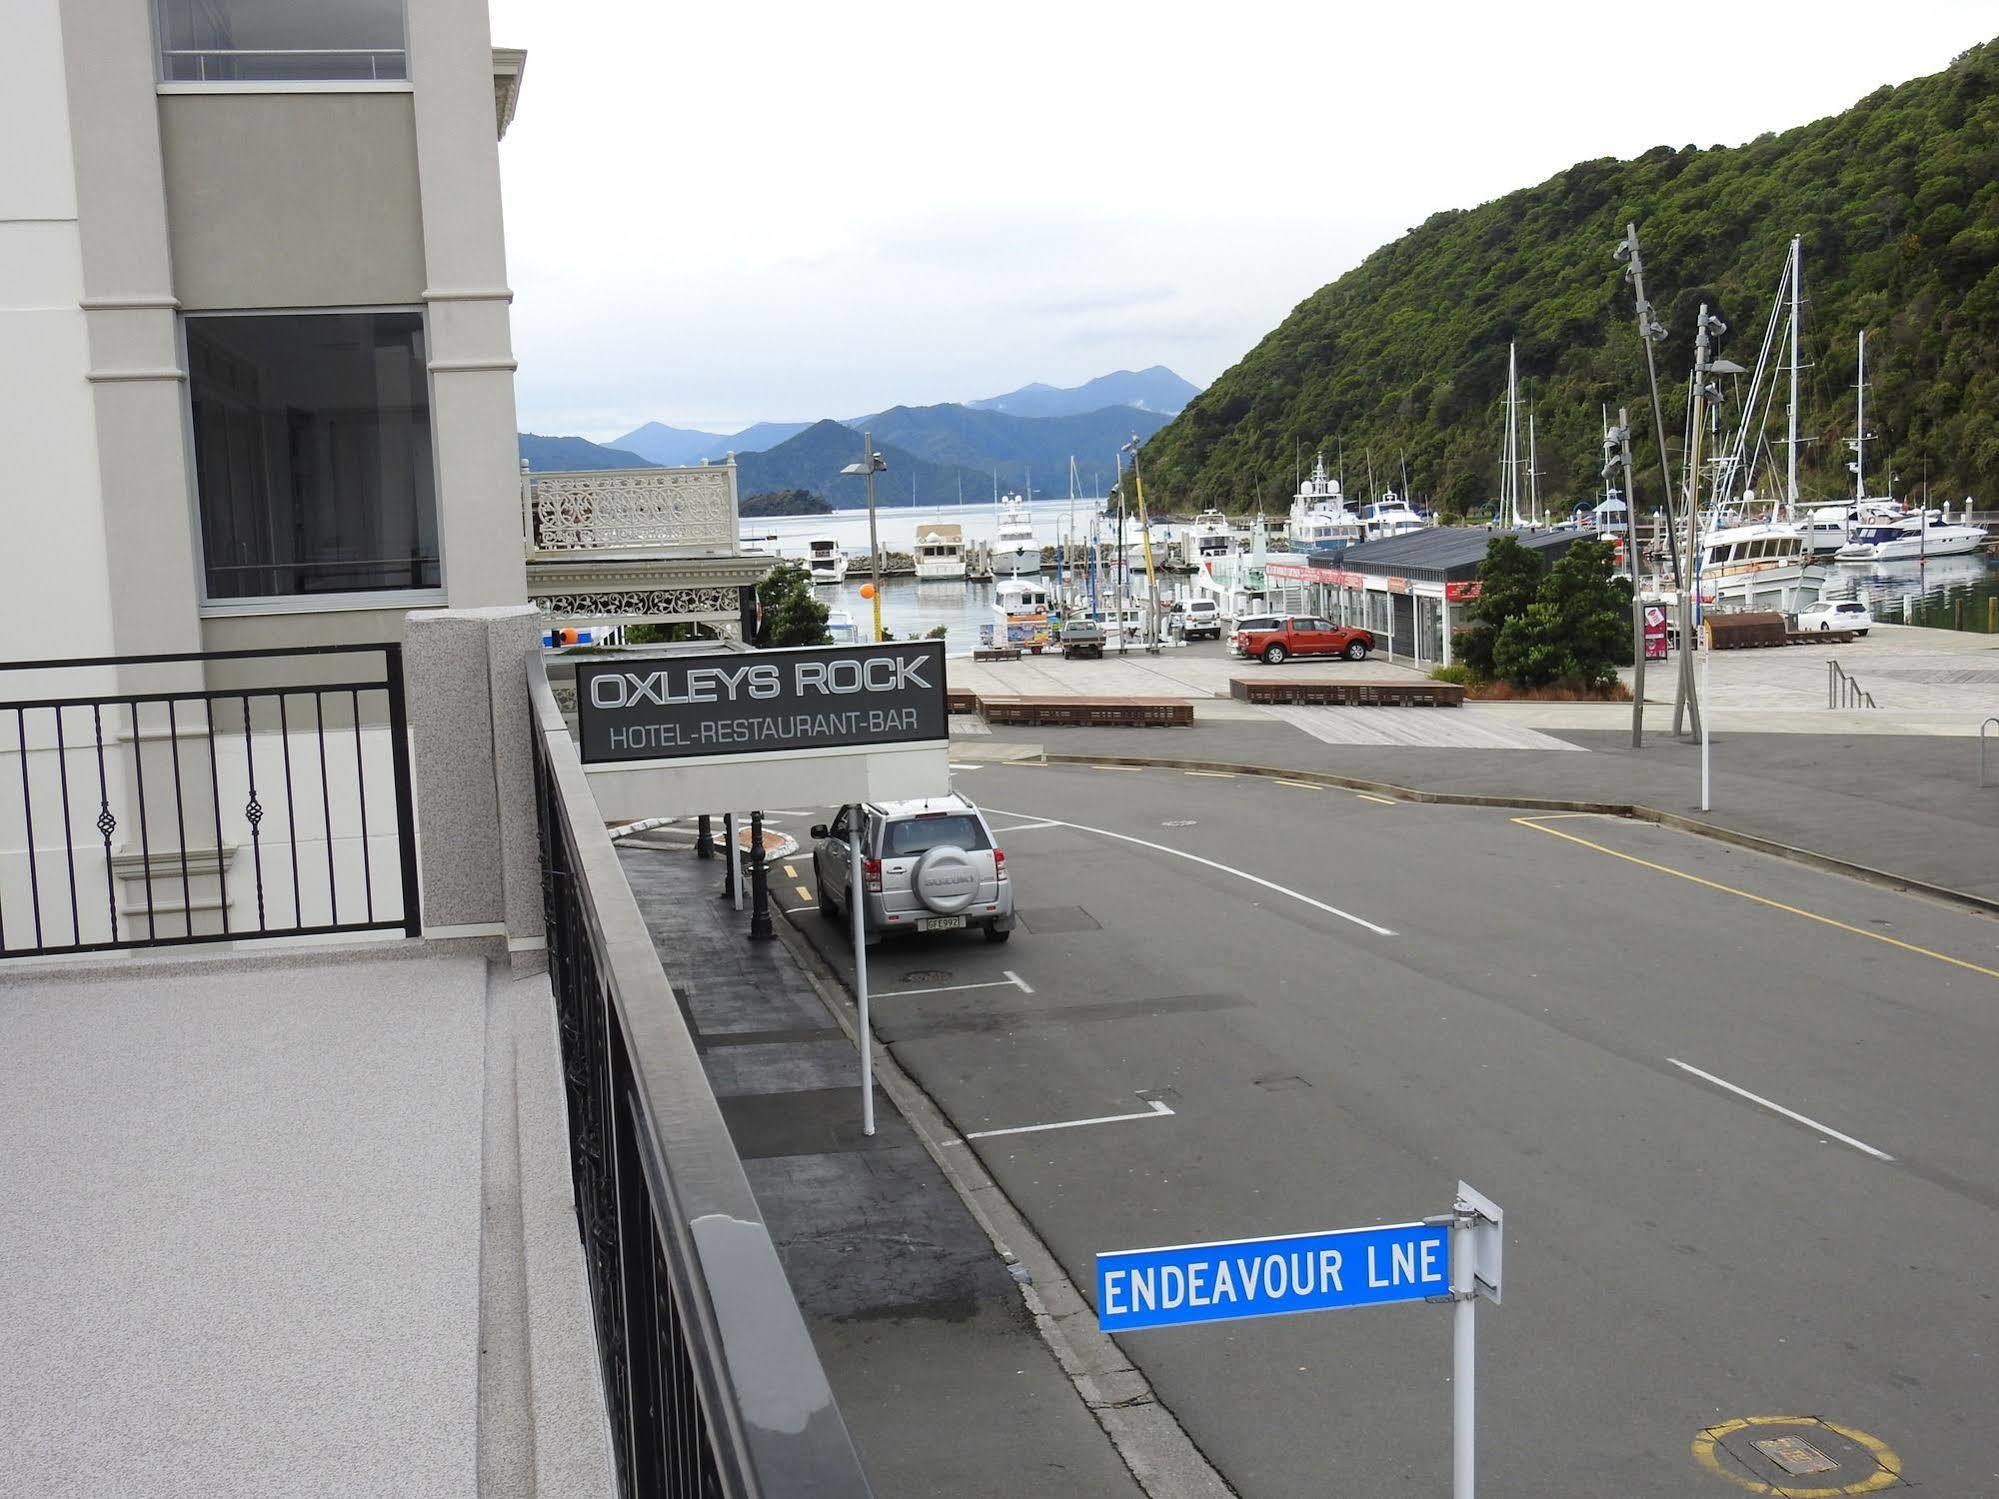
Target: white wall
x: 52, y: 569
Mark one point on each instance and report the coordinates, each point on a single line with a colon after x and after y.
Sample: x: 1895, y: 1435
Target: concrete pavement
x: 1346, y: 1005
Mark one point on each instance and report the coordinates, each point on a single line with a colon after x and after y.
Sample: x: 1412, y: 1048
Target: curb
x: 1634, y: 811
x: 1148, y: 1438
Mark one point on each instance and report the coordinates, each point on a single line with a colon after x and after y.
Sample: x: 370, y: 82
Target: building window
x: 281, y: 41
x: 312, y: 453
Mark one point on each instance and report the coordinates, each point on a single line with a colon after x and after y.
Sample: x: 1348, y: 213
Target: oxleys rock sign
x: 761, y: 702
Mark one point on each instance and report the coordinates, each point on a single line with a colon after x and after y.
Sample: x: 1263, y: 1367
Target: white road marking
x: 1214, y: 775
x: 1027, y: 827
x: 808, y: 906
x: 1385, y: 801
x: 1011, y: 981
x: 1301, y: 785
x: 1154, y: 1110
x: 1778, y: 1108
x: 1241, y: 874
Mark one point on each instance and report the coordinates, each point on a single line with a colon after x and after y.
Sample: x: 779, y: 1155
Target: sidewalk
x: 943, y: 1380
x: 1907, y: 805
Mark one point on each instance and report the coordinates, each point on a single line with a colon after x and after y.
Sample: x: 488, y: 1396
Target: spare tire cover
x: 945, y: 879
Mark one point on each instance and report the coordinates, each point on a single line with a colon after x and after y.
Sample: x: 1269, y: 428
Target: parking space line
x: 1213, y: 775
x: 1379, y: 801
x: 1761, y: 900
x: 1027, y: 827
x: 1777, y: 1108
x: 1011, y: 981
x: 1301, y: 785
x: 1241, y: 874
x: 1154, y: 1110
x: 811, y: 905
x: 1114, y: 767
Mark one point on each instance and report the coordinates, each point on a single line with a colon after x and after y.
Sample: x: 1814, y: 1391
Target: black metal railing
x: 187, y: 798
x: 712, y: 1382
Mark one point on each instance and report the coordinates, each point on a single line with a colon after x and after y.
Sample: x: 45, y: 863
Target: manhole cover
x: 1796, y: 1455
x: 926, y: 976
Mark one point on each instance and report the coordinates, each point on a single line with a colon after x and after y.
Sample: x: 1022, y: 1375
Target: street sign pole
x: 1454, y: 1257
x: 1464, y: 1353
x: 856, y: 901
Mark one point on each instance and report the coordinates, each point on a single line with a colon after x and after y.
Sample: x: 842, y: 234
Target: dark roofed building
x: 1406, y: 588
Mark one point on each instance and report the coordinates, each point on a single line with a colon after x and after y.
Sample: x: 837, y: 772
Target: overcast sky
x: 730, y: 212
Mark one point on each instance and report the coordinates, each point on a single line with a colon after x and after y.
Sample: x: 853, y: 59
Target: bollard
x: 704, y: 838
x: 729, y: 859
x: 760, y: 928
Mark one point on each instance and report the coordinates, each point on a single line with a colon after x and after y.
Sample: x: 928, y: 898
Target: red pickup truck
x: 1274, y: 640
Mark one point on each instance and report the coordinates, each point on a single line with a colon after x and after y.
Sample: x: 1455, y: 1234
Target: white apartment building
x: 256, y: 383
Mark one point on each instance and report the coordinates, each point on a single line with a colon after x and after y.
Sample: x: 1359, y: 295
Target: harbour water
x: 1951, y: 593
x: 787, y: 535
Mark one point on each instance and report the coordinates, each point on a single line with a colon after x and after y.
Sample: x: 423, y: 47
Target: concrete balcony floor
x: 290, y: 1223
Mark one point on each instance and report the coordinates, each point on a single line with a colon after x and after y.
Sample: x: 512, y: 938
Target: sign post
x: 1454, y: 1257
x: 856, y: 912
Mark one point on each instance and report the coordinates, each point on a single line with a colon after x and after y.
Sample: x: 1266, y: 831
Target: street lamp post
x: 871, y: 463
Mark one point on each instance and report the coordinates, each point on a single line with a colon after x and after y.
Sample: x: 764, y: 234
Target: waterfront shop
x: 1411, y: 590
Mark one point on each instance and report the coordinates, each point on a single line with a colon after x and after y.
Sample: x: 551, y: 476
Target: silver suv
x: 925, y: 866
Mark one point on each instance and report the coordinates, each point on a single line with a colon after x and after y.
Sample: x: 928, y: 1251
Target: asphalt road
x: 1349, y: 1005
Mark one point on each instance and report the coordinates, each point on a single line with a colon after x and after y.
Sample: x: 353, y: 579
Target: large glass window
x: 312, y: 453
x: 250, y: 41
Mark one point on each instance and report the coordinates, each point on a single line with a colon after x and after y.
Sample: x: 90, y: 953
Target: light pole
x: 871, y: 463
x: 1616, y: 449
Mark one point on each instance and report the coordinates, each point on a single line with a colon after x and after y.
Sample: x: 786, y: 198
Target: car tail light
x: 871, y: 875
x: 999, y: 862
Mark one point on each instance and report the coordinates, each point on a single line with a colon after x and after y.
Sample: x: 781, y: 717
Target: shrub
x: 1456, y: 672
x: 789, y: 614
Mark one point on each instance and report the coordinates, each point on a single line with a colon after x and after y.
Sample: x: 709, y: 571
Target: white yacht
x: 1209, y: 537
x: 1764, y: 564
x: 1022, y: 605
x: 1830, y: 527
x: 1014, y: 546
x: 940, y: 552
x: 825, y: 562
x: 1321, y: 520
x: 840, y: 627
x: 1391, y: 515
x: 1912, y: 539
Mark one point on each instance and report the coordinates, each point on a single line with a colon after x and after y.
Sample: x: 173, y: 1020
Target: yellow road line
x: 1301, y: 785
x: 803, y: 893
x: 790, y: 873
x: 1761, y: 900
x: 1384, y: 801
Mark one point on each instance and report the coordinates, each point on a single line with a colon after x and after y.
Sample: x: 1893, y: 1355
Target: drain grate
x: 1796, y: 1455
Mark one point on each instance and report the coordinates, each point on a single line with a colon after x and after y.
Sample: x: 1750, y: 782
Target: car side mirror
x: 818, y: 830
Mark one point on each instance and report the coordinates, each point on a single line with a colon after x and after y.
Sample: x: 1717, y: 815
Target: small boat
x: 1391, y: 515
x: 840, y: 627
x: 1023, y: 606
x: 825, y: 562
x: 1209, y: 537
x: 940, y: 552
x: 1914, y: 539
x: 1754, y: 564
x: 1014, y: 544
x: 1321, y: 520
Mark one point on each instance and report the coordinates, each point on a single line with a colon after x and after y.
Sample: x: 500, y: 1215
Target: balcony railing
x: 688, y: 511
x: 711, y: 1380
x: 186, y: 798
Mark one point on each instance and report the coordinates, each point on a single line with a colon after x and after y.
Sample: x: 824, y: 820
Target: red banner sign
x: 1458, y: 592
x: 1655, y: 632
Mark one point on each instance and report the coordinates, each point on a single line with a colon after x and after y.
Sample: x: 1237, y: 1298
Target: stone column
x: 473, y: 769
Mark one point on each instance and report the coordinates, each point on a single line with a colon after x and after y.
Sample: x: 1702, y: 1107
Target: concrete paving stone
x: 827, y: 1064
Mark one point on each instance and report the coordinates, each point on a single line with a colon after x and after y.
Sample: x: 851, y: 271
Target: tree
x: 1508, y: 581
x: 790, y: 615
x: 1577, y: 630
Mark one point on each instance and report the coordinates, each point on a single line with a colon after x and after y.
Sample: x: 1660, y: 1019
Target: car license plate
x: 939, y: 923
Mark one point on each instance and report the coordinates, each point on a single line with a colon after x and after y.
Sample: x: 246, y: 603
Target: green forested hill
x: 1897, y: 201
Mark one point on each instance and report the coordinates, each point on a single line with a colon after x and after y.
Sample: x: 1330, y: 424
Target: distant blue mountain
x: 676, y: 446
x: 548, y: 455
x: 1156, y: 389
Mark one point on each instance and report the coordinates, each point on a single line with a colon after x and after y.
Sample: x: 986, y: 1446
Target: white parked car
x: 1837, y: 614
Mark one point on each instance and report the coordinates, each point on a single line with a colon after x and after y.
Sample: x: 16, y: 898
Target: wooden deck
x: 1279, y: 687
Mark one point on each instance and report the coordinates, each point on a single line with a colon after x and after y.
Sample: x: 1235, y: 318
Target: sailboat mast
x: 1791, y: 464
x: 1533, y: 476
x: 1512, y: 494
x: 1860, y: 428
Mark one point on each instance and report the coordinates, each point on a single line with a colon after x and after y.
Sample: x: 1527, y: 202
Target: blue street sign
x: 1270, y: 1277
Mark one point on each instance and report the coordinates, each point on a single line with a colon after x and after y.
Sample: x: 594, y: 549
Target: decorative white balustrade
x: 638, y: 544
x: 683, y: 510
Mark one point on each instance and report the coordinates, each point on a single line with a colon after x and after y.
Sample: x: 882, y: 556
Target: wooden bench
x: 960, y: 700
x: 1822, y: 637
x: 1331, y: 692
x: 1091, y: 712
x: 996, y: 653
